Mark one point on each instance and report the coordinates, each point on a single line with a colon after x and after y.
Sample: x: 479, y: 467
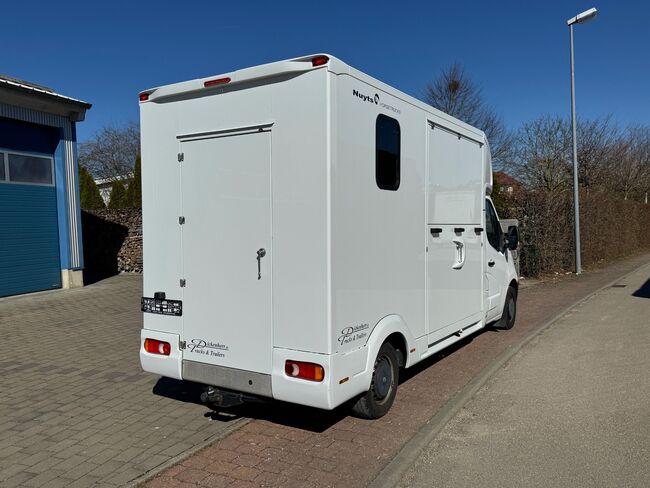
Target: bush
x: 118, y: 196
x: 134, y: 191
x: 89, y: 196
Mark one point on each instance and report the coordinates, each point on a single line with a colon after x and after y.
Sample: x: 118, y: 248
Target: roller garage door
x: 29, y: 239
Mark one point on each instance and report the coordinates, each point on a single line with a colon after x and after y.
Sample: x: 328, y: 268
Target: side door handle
x: 491, y: 263
x: 460, y: 254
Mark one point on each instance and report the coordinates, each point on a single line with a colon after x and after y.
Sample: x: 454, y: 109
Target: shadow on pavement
x: 188, y: 392
x: 408, y: 374
x: 644, y: 291
x: 289, y: 414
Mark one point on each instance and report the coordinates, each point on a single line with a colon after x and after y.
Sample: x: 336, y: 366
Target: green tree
x: 118, y: 195
x: 134, y: 191
x: 88, y: 191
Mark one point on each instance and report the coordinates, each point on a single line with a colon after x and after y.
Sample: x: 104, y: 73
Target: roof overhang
x: 35, y: 98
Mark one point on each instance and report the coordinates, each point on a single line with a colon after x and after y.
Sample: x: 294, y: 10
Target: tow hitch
x: 224, y: 398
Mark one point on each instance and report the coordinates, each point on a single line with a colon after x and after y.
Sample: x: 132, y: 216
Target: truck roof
x: 288, y: 66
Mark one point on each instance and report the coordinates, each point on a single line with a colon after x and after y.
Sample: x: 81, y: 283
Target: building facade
x: 40, y: 220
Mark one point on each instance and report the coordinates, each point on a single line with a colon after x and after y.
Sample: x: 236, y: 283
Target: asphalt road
x: 572, y: 408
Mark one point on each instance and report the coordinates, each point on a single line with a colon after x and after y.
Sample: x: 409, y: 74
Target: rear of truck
x: 235, y: 182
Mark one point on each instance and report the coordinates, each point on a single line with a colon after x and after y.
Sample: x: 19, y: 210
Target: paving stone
x: 81, y: 404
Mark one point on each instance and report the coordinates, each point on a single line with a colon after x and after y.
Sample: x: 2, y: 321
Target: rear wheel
x: 379, y: 398
x: 509, y: 315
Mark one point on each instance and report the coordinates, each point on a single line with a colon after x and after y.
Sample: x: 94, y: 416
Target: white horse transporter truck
x: 308, y: 231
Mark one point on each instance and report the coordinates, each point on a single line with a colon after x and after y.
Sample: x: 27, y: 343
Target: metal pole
x: 576, y: 203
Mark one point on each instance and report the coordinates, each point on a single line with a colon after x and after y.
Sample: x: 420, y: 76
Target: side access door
x: 226, y: 240
x: 454, y: 265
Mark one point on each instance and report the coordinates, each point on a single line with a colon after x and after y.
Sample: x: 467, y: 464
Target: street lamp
x: 581, y: 18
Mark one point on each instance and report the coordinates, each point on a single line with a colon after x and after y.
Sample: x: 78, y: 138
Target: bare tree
x: 599, y: 144
x: 454, y: 93
x: 631, y: 168
x: 542, y: 154
x: 111, y: 152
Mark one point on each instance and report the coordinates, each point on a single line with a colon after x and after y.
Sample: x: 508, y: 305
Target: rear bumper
x: 346, y: 375
x: 230, y: 378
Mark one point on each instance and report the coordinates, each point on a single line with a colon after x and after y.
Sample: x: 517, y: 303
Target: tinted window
x: 30, y: 169
x: 387, y: 144
x: 2, y: 166
x: 492, y: 226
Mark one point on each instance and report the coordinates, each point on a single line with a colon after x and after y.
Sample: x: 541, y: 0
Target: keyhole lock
x: 261, y: 252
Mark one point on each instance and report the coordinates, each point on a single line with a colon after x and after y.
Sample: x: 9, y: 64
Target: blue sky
x: 105, y: 52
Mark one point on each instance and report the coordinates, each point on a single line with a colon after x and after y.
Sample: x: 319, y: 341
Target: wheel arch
x: 393, y: 329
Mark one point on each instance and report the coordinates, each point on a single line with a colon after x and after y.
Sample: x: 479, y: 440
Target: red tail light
x: 319, y: 60
x: 144, y: 97
x: 154, y: 346
x: 218, y: 81
x: 305, y: 371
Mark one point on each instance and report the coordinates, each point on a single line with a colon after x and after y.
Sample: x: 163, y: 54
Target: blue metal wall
x: 33, y: 236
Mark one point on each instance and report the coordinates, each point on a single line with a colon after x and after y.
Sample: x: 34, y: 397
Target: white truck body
x: 283, y: 158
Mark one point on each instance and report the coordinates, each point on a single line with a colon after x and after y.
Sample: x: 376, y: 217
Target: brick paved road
x: 75, y: 407
x: 293, y: 446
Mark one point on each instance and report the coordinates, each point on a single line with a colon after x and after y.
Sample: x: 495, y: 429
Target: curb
x: 392, y: 473
x: 235, y: 425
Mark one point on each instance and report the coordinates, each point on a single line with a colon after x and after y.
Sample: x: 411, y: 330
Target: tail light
x: 154, y: 346
x: 144, y: 97
x: 305, y: 371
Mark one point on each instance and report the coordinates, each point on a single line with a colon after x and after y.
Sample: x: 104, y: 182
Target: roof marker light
x: 319, y: 60
x: 218, y: 81
x: 144, y: 97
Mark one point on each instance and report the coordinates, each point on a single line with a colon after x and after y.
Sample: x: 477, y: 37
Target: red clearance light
x: 154, y: 346
x: 218, y: 81
x: 319, y: 60
x: 305, y: 371
x: 144, y: 97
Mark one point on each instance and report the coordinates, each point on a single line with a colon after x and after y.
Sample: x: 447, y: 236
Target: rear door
x: 226, y: 239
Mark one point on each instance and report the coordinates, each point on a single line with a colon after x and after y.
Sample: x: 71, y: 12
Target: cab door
x: 495, y: 263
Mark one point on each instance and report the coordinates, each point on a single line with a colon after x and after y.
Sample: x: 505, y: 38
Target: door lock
x: 261, y: 252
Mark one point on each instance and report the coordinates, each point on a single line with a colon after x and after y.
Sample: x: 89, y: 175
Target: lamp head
x: 583, y: 17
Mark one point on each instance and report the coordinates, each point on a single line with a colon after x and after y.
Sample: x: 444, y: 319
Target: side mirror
x: 512, y: 240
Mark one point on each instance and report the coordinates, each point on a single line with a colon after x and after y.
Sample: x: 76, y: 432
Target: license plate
x: 162, y: 307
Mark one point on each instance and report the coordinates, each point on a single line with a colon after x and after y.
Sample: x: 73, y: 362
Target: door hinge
x: 182, y: 282
x: 182, y: 345
x: 181, y: 220
x: 181, y: 157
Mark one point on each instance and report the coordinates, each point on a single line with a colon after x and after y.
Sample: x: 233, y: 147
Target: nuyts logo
x: 366, y: 98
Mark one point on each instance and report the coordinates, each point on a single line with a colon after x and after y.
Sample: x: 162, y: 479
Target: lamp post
x: 578, y: 19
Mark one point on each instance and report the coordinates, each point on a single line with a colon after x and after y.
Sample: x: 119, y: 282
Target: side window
x: 387, y: 153
x: 2, y: 166
x: 492, y: 226
x: 30, y: 169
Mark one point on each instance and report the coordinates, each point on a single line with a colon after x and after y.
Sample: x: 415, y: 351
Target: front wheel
x: 509, y: 315
x: 376, y: 402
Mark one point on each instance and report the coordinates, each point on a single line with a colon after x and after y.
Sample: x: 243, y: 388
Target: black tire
x: 507, y: 320
x: 376, y: 402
